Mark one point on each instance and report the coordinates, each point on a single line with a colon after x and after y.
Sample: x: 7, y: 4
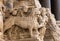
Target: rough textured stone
x: 27, y: 20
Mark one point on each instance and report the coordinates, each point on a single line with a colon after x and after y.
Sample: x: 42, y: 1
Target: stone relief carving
x: 25, y: 20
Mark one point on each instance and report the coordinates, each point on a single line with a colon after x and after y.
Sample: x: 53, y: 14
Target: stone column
x: 56, y: 8
x: 46, y: 3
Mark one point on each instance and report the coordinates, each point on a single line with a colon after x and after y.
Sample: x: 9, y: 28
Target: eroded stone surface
x: 25, y: 20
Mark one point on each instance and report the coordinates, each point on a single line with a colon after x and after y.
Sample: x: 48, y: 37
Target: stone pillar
x: 46, y: 3
x: 56, y: 8
x: 58, y: 14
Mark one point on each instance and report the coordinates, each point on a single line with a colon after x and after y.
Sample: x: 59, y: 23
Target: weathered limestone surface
x: 27, y: 20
